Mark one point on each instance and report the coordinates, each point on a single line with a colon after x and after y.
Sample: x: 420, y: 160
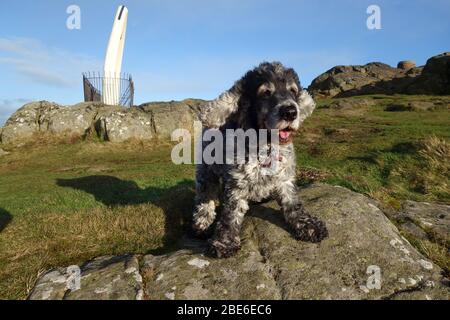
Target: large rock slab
x: 110, y: 123
x: 274, y: 265
x: 364, y: 257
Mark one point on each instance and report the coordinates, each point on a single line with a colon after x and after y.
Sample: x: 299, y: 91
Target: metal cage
x: 114, y: 90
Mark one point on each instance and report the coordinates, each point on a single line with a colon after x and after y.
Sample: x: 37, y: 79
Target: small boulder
x: 406, y: 65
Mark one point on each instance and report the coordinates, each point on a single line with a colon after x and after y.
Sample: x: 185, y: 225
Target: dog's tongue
x: 284, y: 135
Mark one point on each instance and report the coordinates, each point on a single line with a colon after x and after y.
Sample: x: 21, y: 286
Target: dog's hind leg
x: 207, y: 189
x: 304, y: 226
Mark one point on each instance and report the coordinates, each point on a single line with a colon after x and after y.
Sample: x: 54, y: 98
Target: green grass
x: 64, y: 203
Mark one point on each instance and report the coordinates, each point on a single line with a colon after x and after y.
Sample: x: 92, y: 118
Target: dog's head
x: 267, y: 97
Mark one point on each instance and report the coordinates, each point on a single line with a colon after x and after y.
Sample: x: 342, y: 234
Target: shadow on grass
x: 401, y: 148
x: 176, y: 202
x: 5, y: 219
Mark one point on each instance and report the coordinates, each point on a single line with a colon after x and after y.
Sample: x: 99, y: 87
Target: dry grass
x: 34, y: 243
x: 436, y: 155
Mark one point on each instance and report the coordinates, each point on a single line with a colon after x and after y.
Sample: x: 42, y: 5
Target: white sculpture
x: 113, y: 59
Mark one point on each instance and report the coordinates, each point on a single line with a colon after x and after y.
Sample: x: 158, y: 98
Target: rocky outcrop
x: 364, y: 257
x: 435, y: 78
x: 380, y: 78
x: 111, y: 123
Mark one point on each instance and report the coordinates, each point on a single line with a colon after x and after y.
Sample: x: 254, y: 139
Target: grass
x: 64, y: 202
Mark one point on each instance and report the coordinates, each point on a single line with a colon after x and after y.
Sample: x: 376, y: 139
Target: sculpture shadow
x: 5, y: 219
x: 176, y: 202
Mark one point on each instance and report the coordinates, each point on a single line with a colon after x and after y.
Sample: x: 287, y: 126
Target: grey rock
x: 117, y: 124
x: 104, y: 278
x: 32, y: 118
x: 111, y: 123
x: 362, y: 244
x: 376, y: 77
x: 272, y: 265
x: 429, y: 216
x: 163, y: 119
x: 76, y: 120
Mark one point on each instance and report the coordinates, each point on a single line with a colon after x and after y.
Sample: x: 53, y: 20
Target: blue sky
x: 177, y: 49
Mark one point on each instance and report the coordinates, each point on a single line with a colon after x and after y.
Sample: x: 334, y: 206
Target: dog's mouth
x: 285, y: 135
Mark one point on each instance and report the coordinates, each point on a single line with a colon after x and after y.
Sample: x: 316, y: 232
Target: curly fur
x: 258, y: 101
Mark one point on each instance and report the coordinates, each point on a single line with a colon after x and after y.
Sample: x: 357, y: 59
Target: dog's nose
x: 288, y: 113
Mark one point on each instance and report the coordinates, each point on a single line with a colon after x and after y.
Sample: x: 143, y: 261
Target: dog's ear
x: 306, y: 105
x: 216, y: 112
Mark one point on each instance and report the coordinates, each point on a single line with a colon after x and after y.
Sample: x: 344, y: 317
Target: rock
x: 428, y: 216
x: 111, y: 123
x: 435, y: 78
x: 117, y: 124
x: 32, y: 118
x: 379, y: 78
x: 163, y: 117
x: 3, y: 152
x: 406, y: 65
x: 104, y: 278
x: 75, y: 120
x: 343, y: 81
x: 364, y: 258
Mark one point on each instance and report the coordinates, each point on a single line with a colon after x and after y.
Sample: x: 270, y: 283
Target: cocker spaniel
x: 268, y: 97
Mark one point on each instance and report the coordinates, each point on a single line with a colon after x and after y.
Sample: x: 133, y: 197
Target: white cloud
x: 44, y: 65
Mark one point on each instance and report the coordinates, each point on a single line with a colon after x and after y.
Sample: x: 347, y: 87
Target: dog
x: 268, y: 97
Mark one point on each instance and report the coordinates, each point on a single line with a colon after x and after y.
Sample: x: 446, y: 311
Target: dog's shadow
x: 5, y: 219
x: 177, y: 203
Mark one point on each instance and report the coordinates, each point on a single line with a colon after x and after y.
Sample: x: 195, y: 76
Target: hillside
x: 65, y: 200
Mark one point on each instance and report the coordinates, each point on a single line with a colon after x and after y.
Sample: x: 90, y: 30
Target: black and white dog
x: 267, y: 97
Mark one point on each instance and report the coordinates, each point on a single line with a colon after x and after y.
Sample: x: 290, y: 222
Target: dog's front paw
x: 310, y: 229
x: 221, y: 250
